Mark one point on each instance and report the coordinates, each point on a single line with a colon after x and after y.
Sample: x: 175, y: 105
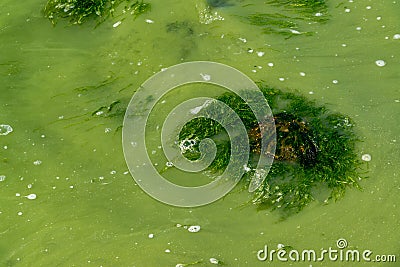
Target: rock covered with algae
x: 314, y: 148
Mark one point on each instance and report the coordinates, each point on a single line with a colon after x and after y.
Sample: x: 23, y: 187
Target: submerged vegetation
x: 78, y: 11
x: 315, y: 149
x: 290, y: 16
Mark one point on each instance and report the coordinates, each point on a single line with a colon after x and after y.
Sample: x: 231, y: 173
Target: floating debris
x: 380, y: 63
x: 2, y: 178
x: 194, y: 228
x: 206, y: 77
x: 366, y: 157
x: 5, y: 129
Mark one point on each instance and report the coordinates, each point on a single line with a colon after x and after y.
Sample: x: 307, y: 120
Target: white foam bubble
x: 380, y: 63
x: 5, y: 129
x: 366, y: 157
x: 31, y: 196
x: 194, y: 228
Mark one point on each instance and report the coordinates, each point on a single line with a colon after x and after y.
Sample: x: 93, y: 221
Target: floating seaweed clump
x: 78, y: 11
x: 315, y: 149
x: 289, y: 20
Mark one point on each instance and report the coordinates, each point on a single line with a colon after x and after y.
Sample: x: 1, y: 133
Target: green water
x: 89, y: 211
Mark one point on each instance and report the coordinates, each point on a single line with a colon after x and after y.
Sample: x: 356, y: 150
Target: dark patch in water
x: 219, y: 3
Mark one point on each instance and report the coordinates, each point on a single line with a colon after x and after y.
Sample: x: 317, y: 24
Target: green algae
x: 319, y: 145
x: 291, y: 17
x: 79, y: 11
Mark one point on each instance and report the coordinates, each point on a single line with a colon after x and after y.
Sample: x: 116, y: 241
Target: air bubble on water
x: 149, y: 21
x: 19, y: 213
x: 368, y: 7
x: 378, y: 18
x: 214, y: 261
x: 167, y: 251
x: 43, y: 136
x: 358, y: 28
x: 311, y: 92
x: 5, y: 129
x: 71, y: 186
x: 396, y: 36
x: 281, y: 79
x: 116, y: 24
x: 31, y: 196
x: 302, y: 74
x: 151, y: 235
x: 17, y: 194
x: 260, y: 54
x: 380, y: 63
x: 107, y: 130
x: 335, y: 81
x: 347, y: 10
x: 37, y: 162
x: 194, y: 228
x: 113, y: 172
x: 366, y: 157
x: 29, y: 186
x: 2, y: 178
x: 318, y: 14
x: 270, y: 64
x: 5, y: 147
x: 169, y: 164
